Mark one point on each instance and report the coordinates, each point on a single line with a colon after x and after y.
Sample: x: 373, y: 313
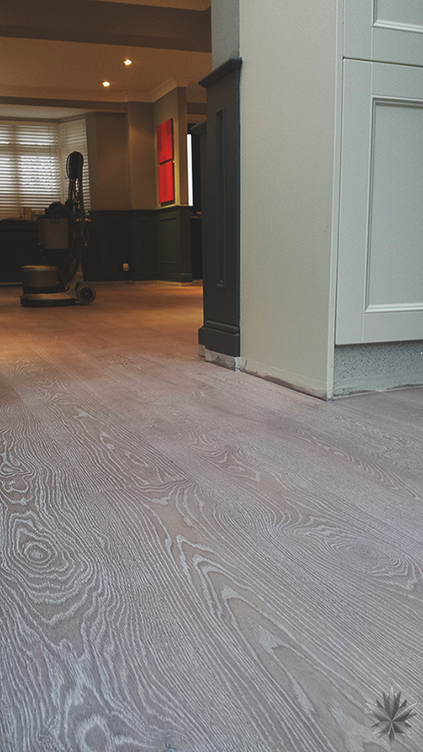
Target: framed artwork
x: 165, y: 141
x: 166, y: 182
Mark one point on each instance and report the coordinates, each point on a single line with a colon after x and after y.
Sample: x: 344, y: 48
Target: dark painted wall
x: 220, y: 151
x: 18, y: 247
x: 156, y: 244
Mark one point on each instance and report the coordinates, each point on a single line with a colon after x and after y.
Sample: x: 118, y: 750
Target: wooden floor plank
x: 194, y: 559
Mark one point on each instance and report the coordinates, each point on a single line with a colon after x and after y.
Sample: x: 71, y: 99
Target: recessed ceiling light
x: 127, y: 61
x: 106, y: 83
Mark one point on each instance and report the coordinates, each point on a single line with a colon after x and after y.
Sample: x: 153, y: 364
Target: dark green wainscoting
x: 18, y: 247
x: 154, y: 245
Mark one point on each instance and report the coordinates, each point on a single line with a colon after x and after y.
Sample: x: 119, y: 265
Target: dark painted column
x: 221, y: 211
x: 200, y: 129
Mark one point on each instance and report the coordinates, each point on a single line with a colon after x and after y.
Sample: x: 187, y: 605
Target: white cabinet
x: 380, y: 273
x: 380, y: 260
x: 384, y: 30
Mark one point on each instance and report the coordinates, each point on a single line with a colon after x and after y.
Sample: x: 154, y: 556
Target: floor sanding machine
x: 63, y: 238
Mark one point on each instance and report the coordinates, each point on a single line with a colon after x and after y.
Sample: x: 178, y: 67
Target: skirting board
x: 220, y: 359
x: 296, y: 381
x: 284, y: 378
x: 357, y: 369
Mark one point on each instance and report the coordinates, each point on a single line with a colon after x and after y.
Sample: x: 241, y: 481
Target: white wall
x: 288, y: 94
x: 225, y: 30
x: 142, y: 155
x: 174, y: 105
x: 123, y: 156
x: 107, y: 141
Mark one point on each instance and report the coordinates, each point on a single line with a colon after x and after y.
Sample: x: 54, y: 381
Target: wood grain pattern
x: 195, y: 560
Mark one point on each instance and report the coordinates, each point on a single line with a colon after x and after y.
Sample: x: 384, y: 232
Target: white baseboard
x: 284, y: 378
x: 226, y: 361
x: 296, y: 381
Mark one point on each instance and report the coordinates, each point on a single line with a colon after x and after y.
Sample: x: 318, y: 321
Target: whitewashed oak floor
x: 196, y: 560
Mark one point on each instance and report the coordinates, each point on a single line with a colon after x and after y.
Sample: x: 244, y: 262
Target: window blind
x: 29, y: 167
x: 33, y: 163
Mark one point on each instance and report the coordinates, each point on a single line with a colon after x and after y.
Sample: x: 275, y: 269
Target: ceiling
x: 51, y: 63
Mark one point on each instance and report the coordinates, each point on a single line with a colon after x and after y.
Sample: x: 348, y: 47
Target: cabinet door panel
x: 389, y: 31
x: 407, y: 14
x: 380, y: 271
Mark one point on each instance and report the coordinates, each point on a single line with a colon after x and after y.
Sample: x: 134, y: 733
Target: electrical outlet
x: 125, y: 267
